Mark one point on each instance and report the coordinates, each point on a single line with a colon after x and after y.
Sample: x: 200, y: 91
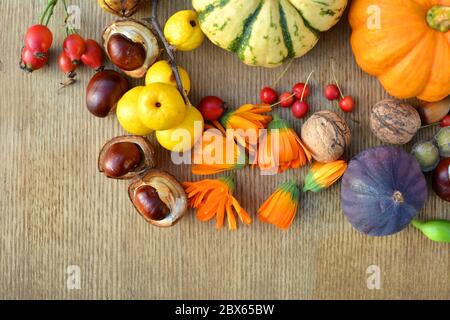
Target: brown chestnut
x: 159, y: 198
x: 441, y: 179
x: 104, y: 91
x: 124, y: 53
x: 125, y: 157
x: 147, y: 201
x: 122, y: 158
x: 131, y: 46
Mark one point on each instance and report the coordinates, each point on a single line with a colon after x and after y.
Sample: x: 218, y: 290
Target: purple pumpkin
x: 382, y: 190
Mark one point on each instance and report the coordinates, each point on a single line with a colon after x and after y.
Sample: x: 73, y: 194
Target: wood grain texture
x: 56, y: 210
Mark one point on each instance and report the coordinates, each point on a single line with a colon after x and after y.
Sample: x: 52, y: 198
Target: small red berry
x: 332, y: 92
x: 286, y: 99
x: 93, y: 56
x: 347, y: 104
x: 74, y: 45
x: 445, y: 122
x: 298, y: 88
x: 211, y: 108
x: 31, y: 61
x: 268, y: 95
x: 65, y: 64
x: 38, y: 39
x: 300, y: 109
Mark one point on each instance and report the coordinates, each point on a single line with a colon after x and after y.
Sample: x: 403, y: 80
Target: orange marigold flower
x: 217, y: 153
x: 215, y: 198
x: 323, y: 175
x: 247, y: 119
x: 280, y: 208
x: 281, y: 148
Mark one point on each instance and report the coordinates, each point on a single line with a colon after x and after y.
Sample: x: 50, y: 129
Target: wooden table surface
x: 57, y: 211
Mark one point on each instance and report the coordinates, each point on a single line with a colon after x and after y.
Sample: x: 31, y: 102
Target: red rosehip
x: 298, y: 88
x: 300, y: 109
x: 31, y: 61
x: 286, y: 99
x: 93, y: 56
x: 347, y: 104
x: 211, y: 108
x: 74, y: 46
x: 65, y: 64
x: 332, y: 92
x: 445, y: 122
x: 268, y: 95
x: 38, y: 39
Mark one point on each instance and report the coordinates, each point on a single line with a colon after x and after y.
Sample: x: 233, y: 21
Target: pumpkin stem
x: 438, y: 18
x: 398, y: 197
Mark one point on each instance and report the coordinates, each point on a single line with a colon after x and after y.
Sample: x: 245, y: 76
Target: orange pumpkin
x: 405, y: 43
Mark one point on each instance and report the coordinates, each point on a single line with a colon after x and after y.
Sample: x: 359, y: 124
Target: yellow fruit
x: 160, y: 106
x: 127, y: 113
x: 161, y: 72
x: 182, y: 30
x: 185, y: 135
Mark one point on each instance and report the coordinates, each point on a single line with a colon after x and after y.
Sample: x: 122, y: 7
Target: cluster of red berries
x: 296, y: 99
x: 76, y: 50
x: 38, y: 42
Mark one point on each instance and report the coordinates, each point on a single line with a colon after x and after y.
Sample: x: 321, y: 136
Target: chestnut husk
x: 169, y: 191
x: 148, y: 153
x: 104, y: 91
x: 122, y: 8
x: 134, y: 36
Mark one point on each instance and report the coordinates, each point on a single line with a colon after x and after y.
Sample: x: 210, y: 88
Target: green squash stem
x: 435, y: 230
x: 438, y: 18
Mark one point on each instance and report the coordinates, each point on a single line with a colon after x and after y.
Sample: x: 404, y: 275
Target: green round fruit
x: 442, y: 140
x: 427, y: 154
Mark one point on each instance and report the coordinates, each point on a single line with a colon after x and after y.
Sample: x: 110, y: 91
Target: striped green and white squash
x: 267, y: 32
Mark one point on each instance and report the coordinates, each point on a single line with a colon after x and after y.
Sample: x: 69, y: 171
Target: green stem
x: 153, y: 20
x: 430, y: 125
x: 438, y: 18
x: 69, y: 31
x: 48, y: 12
x: 416, y: 223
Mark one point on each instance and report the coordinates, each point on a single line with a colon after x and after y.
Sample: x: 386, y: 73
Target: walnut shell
x: 394, y: 122
x: 326, y: 135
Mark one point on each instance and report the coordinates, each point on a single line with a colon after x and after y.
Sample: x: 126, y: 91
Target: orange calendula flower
x: 281, y: 148
x: 247, y: 120
x: 215, y: 198
x: 217, y: 153
x: 323, y: 175
x: 280, y: 208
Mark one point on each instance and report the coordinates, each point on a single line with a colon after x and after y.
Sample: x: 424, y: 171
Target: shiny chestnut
x: 122, y: 158
x: 441, y: 179
x: 125, y: 53
x: 131, y: 46
x: 159, y: 198
x: 149, y: 204
x: 104, y: 91
x: 125, y: 157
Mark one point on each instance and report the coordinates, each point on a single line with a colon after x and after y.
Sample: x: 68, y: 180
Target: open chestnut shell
x: 159, y: 198
x: 123, y: 8
x: 126, y: 157
x: 131, y: 46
